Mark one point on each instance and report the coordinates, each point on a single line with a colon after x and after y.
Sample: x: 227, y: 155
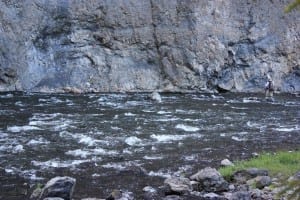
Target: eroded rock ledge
x: 146, y: 45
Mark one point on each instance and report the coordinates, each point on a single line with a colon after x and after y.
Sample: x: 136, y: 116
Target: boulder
x: 210, y: 180
x: 61, y: 187
x: 177, y: 186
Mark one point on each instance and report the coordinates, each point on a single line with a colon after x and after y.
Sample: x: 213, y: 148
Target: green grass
x: 281, y: 165
x: 284, y: 164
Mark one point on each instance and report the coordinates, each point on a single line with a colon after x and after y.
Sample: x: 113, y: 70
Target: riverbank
x: 267, y: 176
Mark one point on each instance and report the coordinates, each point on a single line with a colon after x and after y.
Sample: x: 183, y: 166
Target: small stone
x: 256, y: 194
x: 36, y: 193
x: 114, y: 195
x: 241, y: 195
x: 231, y: 187
x: 92, y: 199
x: 149, y: 189
x: 262, y: 181
x: 172, y: 197
x: 195, y: 185
x: 226, y: 163
x: 211, y: 195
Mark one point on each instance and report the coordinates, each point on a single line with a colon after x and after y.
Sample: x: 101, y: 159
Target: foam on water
x: 238, y: 139
x: 39, y: 141
x: 44, y: 116
x: 56, y: 163
x: 79, y: 153
x: 163, y: 112
x: 121, y: 165
x: 20, y: 104
x: 256, y: 125
x: 287, y: 129
x: 87, y: 140
x: 160, y: 173
x: 216, y: 96
x: 3, y: 135
x: 187, y: 128
x: 251, y: 100
x: 133, y: 141
x: 129, y: 114
x: 192, y: 157
x: 16, y: 129
x: 166, y: 119
x: 153, y: 157
x: 18, y: 149
x: 91, y: 152
x: 168, y: 138
x: 239, y: 108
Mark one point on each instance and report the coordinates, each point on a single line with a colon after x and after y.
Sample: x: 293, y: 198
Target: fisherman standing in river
x: 269, y: 88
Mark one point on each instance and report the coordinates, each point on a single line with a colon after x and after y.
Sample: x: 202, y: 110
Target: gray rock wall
x: 146, y: 45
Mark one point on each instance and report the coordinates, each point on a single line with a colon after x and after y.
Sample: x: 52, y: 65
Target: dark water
x: 126, y: 141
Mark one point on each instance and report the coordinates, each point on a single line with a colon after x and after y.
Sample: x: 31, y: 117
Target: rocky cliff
x: 146, y: 45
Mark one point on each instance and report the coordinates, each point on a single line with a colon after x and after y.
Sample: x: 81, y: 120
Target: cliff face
x: 145, y: 45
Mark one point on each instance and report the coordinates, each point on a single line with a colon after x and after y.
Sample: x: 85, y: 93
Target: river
x: 127, y: 141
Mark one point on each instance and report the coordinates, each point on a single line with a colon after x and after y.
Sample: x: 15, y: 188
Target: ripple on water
x: 287, y: 128
x: 57, y: 163
x: 39, y: 141
x: 134, y: 141
x: 84, y: 153
x: 187, y: 128
x: 17, y: 129
x: 164, y: 138
x: 153, y: 157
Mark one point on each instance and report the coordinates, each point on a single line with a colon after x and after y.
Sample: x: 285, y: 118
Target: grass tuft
x: 284, y: 164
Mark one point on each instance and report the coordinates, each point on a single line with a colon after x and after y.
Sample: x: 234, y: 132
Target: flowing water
x: 127, y: 141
